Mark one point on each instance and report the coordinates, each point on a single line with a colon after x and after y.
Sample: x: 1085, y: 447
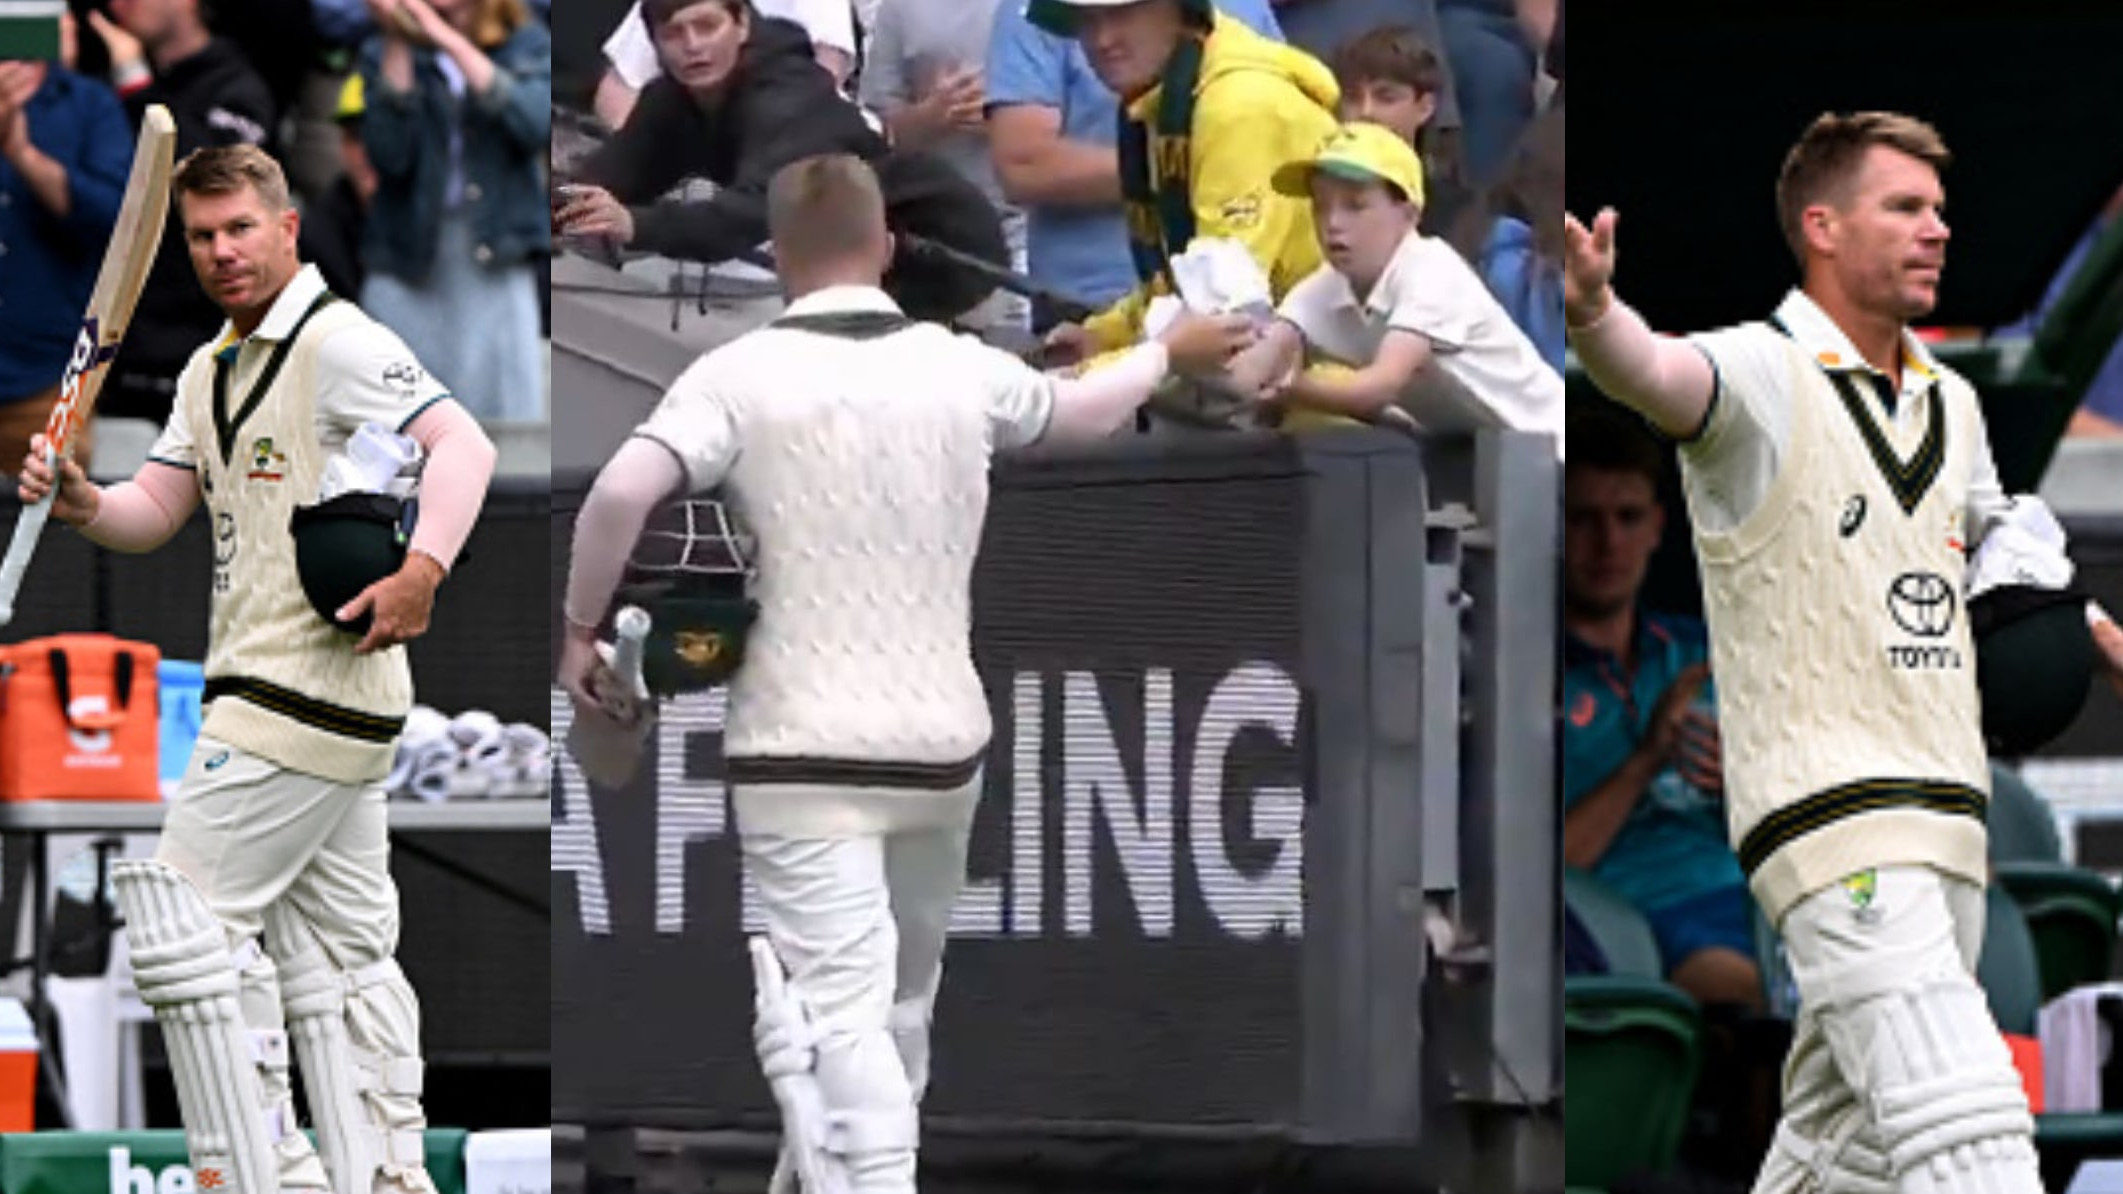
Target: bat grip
x: 632, y: 624
x: 28, y: 526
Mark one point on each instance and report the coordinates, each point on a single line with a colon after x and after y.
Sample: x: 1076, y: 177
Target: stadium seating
x: 2071, y: 913
x: 2022, y: 829
x: 1631, y: 1052
x: 1619, y: 929
x: 1630, y: 1047
x: 2010, y: 976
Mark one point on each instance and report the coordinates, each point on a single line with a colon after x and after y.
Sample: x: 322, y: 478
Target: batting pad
x: 363, y: 1086
x: 788, y: 1056
x: 1947, y: 1106
x: 183, y: 969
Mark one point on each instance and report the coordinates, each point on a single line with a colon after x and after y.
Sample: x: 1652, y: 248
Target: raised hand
x: 1588, y: 267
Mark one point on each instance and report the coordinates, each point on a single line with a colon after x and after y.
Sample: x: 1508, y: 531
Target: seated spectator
x: 1494, y: 47
x: 333, y: 223
x: 1643, y: 790
x: 458, y: 123
x: 1514, y: 236
x: 65, y: 152
x: 1395, y: 319
x: 923, y: 74
x: 738, y: 99
x: 1213, y: 109
x: 162, y: 53
x: 2100, y: 412
x: 1322, y: 28
x: 1052, y: 132
x: 1391, y: 77
x: 830, y: 24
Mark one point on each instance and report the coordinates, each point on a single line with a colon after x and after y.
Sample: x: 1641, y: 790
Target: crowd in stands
x: 414, y: 133
x: 1024, y: 105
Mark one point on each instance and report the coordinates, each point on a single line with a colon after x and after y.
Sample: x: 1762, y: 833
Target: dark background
x: 1682, y: 124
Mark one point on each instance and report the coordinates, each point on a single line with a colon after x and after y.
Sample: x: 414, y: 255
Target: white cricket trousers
x: 248, y: 833
x: 859, y: 922
x: 1898, y: 1081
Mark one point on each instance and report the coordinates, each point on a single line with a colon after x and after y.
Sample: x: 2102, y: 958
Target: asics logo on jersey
x: 1853, y: 516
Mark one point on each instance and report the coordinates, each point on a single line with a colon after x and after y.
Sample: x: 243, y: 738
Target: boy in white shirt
x: 1425, y: 336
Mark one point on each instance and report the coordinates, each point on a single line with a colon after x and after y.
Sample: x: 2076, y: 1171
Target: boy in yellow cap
x: 1394, y: 318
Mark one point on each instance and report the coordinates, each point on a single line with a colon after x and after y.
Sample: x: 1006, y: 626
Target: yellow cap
x: 1362, y: 152
x: 352, y: 101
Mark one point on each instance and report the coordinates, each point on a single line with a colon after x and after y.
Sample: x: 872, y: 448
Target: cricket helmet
x: 346, y: 544
x: 1058, y: 17
x: 692, y: 571
x: 2034, y: 664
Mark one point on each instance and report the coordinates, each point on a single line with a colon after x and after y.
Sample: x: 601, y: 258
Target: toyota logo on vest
x: 1922, y: 603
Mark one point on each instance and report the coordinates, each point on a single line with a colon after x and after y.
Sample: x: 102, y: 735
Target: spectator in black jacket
x: 740, y: 97
x: 162, y: 53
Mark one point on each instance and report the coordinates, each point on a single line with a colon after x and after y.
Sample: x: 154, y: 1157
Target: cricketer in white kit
x: 1838, y: 476
x: 268, y: 912
x: 856, y: 445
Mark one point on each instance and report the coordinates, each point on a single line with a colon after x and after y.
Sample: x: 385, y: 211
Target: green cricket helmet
x: 692, y: 572
x: 1058, y: 17
x: 2034, y: 664
x: 346, y: 544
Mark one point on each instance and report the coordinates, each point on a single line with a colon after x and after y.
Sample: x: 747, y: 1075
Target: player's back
x: 863, y: 473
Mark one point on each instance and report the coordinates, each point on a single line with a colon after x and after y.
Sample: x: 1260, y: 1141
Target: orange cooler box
x: 18, y: 1069
x: 79, y: 719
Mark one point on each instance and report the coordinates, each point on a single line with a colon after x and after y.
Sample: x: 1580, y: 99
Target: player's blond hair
x: 1824, y: 163
x: 227, y: 169
x: 823, y: 209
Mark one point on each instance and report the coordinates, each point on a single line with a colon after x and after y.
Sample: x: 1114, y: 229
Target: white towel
x: 477, y: 734
x: 422, y: 726
x: 432, y: 768
x: 2075, y: 1046
x: 375, y: 460
x: 1220, y: 277
x: 2023, y: 546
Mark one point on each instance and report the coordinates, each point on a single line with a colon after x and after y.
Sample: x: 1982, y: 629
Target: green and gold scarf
x: 1161, y: 216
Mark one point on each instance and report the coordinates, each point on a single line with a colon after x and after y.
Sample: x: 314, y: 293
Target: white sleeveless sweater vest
x: 281, y: 683
x: 1845, y: 670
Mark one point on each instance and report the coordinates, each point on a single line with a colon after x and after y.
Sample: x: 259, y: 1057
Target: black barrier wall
x: 1207, y: 668
x: 481, y: 969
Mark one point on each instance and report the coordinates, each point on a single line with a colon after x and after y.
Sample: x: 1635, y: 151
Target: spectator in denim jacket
x: 458, y: 120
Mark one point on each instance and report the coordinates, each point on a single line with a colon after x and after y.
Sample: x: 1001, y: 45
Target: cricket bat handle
x: 632, y: 625
x: 28, y: 526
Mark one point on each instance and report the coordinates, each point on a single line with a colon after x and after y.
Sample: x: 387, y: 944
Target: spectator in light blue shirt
x: 1052, y: 127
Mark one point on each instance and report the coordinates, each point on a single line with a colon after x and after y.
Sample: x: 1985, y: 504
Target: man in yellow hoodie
x: 1209, y: 110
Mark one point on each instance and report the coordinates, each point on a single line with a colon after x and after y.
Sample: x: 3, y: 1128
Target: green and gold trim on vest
x: 322, y: 715
x: 1794, y: 821
x: 227, y: 424
x: 1911, y: 479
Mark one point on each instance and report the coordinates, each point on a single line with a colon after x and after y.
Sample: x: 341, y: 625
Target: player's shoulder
x: 1952, y: 381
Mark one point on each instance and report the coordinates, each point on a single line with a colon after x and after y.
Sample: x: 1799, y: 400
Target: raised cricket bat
x: 607, y: 745
x: 126, y: 261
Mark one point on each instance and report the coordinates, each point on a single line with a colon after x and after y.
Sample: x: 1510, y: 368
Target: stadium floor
x: 644, y: 1161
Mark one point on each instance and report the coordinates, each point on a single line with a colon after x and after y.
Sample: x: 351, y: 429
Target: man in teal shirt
x: 1643, y: 797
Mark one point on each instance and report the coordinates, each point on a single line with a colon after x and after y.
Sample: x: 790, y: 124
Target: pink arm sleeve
x: 1099, y: 402
x: 453, y: 484
x: 639, y: 477
x: 142, y: 514
x: 1666, y: 380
